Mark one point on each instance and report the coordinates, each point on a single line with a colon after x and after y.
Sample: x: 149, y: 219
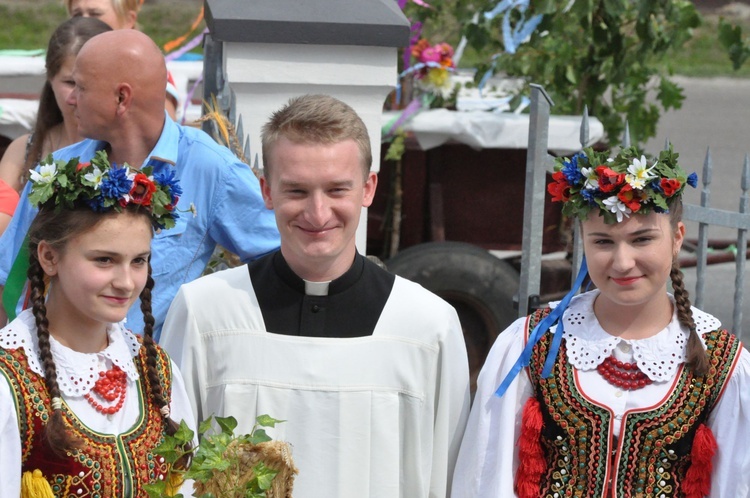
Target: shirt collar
x: 164, y: 152
x: 344, y: 282
x: 166, y: 149
x: 658, y: 356
x: 73, y: 368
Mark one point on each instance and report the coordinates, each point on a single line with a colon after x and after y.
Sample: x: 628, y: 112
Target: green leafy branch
x: 217, y: 463
x: 732, y: 40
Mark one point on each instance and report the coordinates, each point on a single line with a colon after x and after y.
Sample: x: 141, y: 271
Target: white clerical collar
x: 316, y: 288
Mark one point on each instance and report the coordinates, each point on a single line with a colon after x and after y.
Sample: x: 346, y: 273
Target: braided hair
x: 697, y: 358
x: 157, y: 395
x: 55, y: 432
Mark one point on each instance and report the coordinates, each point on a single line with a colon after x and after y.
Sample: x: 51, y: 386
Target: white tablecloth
x: 487, y: 130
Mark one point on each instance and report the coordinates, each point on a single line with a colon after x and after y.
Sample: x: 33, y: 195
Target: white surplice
x: 372, y: 416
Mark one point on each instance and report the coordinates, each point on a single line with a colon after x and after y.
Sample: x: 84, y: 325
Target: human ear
x: 124, y: 97
x: 679, y: 238
x: 130, y: 19
x: 265, y: 190
x: 48, y: 258
x: 371, y: 184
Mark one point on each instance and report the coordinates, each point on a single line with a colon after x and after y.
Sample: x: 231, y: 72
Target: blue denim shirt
x: 230, y: 212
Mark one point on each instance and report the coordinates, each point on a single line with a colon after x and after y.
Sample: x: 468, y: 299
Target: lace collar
x: 76, y: 372
x: 659, y: 356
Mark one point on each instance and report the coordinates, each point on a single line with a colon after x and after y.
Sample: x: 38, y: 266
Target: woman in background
x: 56, y: 126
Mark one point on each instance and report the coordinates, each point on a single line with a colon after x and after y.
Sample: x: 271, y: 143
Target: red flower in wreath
x: 142, y: 191
x: 670, y: 186
x: 559, y: 190
x: 82, y: 165
x: 630, y: 198
x: 609, y: 179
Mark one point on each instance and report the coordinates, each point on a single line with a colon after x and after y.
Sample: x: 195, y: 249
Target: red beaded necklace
x: 110, y: 386
x: 621, y: 374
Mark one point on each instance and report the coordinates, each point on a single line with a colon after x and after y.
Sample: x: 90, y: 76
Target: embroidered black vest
x: 653, y: 453
x: 105, y: 465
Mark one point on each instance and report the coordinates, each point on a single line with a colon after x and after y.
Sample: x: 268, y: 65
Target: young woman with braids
x: 625, y: 390
x: 56, y: 126
x: 84, y: 401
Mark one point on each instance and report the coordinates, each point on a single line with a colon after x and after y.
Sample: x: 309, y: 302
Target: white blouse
x: 489, y: 457
x: 76, y: 375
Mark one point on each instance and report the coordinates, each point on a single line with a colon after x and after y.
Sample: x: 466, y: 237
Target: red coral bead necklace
x: 110, y: 386
x: 621, y: 374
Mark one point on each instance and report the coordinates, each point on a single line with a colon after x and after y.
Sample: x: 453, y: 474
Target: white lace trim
x: 659, y: 356
x: 76, y: 372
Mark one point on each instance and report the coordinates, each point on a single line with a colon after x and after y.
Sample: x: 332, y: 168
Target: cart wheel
x: 480, y: 286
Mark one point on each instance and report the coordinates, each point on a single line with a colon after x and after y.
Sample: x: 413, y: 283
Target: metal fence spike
x: 666, y: 144
x: 239, y: 129
x: 585, y: 127
x: 707, y: 166
x: 246, y: 151
x: 626, y: 136
x: 745, y: 182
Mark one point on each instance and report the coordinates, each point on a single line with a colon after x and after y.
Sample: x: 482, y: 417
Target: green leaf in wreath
x: 259, y: 436
x: 227, y: 424
x: 264, y: 476
x: 268, y: 421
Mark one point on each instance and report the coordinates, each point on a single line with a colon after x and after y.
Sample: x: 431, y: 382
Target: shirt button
x: 626, y: 347
x: 618, y: 394
x: 315, y: 308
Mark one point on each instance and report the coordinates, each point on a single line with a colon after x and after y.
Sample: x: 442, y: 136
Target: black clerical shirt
x: 352, y: 307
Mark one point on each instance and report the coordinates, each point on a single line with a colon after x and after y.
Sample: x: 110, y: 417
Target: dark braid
x: 151, y: 354
x: 696, y: 355
x: 697, y: 359
x: 55, y: 432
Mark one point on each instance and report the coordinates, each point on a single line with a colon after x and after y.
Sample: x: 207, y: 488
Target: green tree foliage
x: 609, y: 55
x: 738, y: 47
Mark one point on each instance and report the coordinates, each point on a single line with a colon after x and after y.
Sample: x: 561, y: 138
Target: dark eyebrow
x: 101, y: 252
x: 642, y: 231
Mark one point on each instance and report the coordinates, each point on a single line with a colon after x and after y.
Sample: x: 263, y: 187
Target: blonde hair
x: 121, y: 7
x: 316, y: 119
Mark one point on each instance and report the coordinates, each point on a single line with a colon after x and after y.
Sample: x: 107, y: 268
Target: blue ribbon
x: 543, y: 326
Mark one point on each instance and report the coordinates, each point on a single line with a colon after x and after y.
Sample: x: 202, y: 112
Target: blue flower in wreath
x: 167, y: 178
x: 97, y: 203
x: 589, y: 196
x: 116, y: 184
x: 655, y: 185
x: 692, y: 179
x: 571, y: 171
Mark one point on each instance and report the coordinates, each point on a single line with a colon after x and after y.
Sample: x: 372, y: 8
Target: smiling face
x: 317, y: 193
x: 98, y: 274
x: 630, y: 261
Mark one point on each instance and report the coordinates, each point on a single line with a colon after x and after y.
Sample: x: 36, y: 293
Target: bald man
x: 119, y: 102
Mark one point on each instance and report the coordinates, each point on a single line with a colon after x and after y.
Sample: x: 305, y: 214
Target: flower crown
x: 103, y: 186
x: 620, y: 186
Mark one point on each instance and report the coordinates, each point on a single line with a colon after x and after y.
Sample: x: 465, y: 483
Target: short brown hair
x: 316, y: 119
